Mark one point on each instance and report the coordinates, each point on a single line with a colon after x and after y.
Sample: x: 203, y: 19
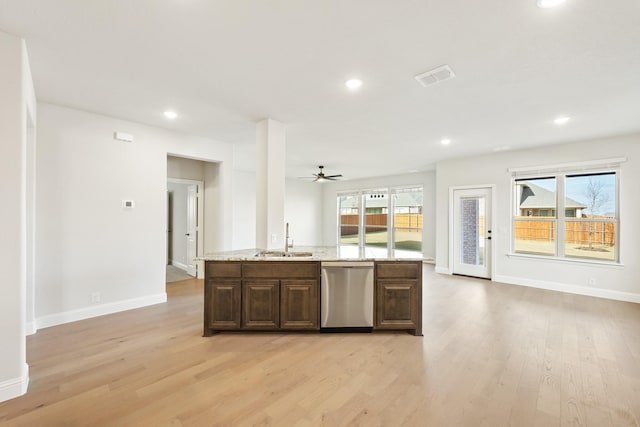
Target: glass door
x: 376, y: 236
x: 349, y: 219
x: 472, y: 232
x: 407, y: 223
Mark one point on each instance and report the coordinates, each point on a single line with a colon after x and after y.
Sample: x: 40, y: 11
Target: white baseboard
x: 15, y: 387
x: 442, y: 270
x: 30, y: 328
x: 99, y: 310
x: 179, y: 265
x: 571, y: 289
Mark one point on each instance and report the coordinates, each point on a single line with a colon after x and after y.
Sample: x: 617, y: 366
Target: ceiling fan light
x: 547, y: 4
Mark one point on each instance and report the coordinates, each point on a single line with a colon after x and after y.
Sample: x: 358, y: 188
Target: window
x: 382, y: 221
x: 592, y: 227
x: 589, y: 226
x: 534, y: 230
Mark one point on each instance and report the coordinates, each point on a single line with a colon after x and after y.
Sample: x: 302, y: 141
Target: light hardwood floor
x: 491, y: 355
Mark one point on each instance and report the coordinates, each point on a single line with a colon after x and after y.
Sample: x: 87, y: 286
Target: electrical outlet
x: 592, y: 281
x: 274, y: 238
x: 95, y: 297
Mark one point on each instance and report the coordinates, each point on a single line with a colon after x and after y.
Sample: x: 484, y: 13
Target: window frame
x: 561, y: 174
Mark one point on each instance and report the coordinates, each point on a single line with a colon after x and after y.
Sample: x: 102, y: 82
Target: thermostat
x: 128, y: 204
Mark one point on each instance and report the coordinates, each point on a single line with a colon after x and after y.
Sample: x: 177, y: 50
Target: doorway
x: 184, y: 230
x: 471, y: 248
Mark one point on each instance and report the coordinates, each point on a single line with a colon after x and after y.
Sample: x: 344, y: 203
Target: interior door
x: 192, y: 224
x: 472, y: 232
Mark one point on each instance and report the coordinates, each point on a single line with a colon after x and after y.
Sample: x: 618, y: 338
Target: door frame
x: 199, y: 222
x: 491, y: 245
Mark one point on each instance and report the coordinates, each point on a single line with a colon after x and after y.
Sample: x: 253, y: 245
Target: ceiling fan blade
x: 333, y: 176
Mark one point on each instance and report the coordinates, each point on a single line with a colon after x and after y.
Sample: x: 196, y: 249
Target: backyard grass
x: 547, y: 247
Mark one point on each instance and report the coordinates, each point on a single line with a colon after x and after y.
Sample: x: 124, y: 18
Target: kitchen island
x: 255, y: 290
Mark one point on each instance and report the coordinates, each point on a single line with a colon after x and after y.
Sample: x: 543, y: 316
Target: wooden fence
x: 602, y: 233
x: 376, y: 222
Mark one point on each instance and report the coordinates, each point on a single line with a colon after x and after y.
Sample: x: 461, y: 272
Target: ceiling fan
x: 321, y: 177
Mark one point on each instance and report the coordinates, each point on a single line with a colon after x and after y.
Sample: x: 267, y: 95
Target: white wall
x: 244, y: 210
x: 181, y: 168
x: 303, y: 211
x: 17, y: 109
x: 426, y: 179
x: 618, y: 282
x: 86, y: 242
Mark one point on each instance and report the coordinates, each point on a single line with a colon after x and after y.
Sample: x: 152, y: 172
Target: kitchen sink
x: 299, y: 254
x: 283, y: 254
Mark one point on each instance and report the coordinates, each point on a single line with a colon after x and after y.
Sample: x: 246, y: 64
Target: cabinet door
x: 261, y: 304
x: 299, y: 304
x: 223, y: 304
x: 396, y: 305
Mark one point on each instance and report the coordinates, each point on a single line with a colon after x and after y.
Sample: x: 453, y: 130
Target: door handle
x: 187, y: 234
x: 489, y: 238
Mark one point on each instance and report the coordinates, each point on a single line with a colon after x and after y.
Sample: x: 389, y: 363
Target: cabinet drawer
x: 223, y: 269
x: 280, y: 270
x: 394, y: 270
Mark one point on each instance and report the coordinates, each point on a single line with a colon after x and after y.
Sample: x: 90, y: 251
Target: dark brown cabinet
x: 398, y: 294
x: 299, y: 304
x: 261, y: 295
x: 223, y: 311
x: 285, y: 295
x: 261, y: 304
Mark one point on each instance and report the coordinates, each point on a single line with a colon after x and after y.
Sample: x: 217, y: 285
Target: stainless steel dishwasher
x: 347, y: 294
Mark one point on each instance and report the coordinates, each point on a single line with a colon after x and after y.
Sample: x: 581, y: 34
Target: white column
x: 270, y: 184
x: 15, y: 86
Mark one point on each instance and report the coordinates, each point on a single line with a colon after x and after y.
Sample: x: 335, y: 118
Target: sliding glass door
x: 407, y: 222
x: 382, y: 222
x: 376, y: 219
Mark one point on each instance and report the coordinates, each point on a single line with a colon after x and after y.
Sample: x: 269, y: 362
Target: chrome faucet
x: 286, y: 239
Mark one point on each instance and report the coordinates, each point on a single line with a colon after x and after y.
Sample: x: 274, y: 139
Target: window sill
x: 609, y: 264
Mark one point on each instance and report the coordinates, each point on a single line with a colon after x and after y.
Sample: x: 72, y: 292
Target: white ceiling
x: 224, y: 65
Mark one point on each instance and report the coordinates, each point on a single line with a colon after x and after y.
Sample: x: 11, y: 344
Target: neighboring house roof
x: 402, y: 199
x: 536, y: 197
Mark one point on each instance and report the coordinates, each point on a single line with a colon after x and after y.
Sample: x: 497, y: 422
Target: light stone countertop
x: 319, y: 253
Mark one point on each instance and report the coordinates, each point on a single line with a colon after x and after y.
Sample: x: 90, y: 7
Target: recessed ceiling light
x: 547, y: 4
x: 561, y: 120
x: 353, y: 84
x: 445, y: 141
x: 501, y: 148
x: 170, y: 115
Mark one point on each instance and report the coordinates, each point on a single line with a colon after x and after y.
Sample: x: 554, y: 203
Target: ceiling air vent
x: 436, y: 75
